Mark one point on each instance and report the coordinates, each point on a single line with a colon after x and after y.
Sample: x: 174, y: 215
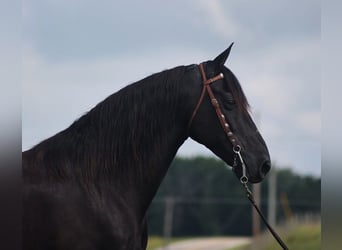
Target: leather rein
x: 232, y: 138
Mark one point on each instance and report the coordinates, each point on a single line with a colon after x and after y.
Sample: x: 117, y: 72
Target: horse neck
x: 141, y: 139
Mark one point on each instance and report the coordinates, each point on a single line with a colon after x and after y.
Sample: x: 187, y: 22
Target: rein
x: 232, y: 138
x: 250, y: 197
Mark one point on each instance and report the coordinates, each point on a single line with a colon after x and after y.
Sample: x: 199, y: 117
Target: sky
x: 76, y: 53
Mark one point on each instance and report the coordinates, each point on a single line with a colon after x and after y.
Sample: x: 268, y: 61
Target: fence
x: 178, y: 217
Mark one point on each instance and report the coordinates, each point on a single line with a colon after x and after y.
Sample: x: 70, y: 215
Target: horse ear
x: 221, y: 58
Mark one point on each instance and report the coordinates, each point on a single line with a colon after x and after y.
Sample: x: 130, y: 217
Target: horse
x: 90, y: 185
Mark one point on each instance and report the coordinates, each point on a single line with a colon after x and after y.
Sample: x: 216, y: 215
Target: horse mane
x: 118, y: 133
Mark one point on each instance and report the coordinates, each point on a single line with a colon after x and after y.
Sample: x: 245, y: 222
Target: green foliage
x: 155, y: 242
x: 209, y: 199
x: 305, y: 237
x: 303, y: 192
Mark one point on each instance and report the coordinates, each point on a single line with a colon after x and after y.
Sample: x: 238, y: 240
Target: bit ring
x: 237, y: 149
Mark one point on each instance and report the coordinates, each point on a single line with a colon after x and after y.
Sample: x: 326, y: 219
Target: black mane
x: 125, y: 123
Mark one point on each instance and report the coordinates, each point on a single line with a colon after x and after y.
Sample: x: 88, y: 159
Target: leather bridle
x: 232, y: 138
x: 206, y: 88
x: 224, y: 123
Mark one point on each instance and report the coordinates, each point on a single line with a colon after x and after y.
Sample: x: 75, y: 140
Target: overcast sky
x: 76, y: 53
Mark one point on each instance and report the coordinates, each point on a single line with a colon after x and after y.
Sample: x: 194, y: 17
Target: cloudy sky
x: 76, y: 53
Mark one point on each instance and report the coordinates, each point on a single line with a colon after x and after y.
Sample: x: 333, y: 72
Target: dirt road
x: 215, y: 243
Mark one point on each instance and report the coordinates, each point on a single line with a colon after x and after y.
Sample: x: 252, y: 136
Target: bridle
x: 224, y: 123
x: 233, y: 139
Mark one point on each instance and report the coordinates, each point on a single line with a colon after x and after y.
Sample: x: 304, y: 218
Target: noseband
x: 224, y: 123
x: 232, y: 138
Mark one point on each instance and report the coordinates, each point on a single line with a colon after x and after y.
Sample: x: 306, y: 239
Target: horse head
x: 221, y: 120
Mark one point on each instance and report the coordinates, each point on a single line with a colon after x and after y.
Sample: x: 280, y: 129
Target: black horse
x: 90, y: 185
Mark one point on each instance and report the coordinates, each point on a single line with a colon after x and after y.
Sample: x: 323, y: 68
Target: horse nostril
x: 265, y: 168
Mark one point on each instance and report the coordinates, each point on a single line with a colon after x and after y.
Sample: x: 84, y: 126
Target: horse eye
x: 228, y: 98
